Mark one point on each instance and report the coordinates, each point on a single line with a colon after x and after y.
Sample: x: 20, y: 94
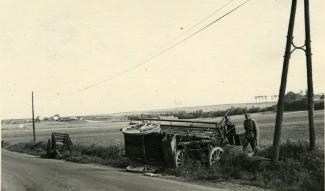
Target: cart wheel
x: 180, y: 158
x: 215, y: 155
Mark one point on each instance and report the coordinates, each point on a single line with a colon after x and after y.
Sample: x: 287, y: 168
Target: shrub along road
x: 26, y: 172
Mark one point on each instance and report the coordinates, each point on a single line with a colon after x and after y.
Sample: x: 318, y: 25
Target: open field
x: 101, y: 133
x: 295, y: 127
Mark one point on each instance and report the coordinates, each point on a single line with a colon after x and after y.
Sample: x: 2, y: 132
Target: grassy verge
x: 298, y: 168
x: 111, y: 155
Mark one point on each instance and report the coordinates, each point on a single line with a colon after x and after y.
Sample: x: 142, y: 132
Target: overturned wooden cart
x: 175, y: 142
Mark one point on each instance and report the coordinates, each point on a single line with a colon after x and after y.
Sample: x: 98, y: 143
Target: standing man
x: 251, y: 133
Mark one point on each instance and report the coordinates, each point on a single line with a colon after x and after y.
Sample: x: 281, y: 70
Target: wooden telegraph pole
x: 280, y: 106
x: 288, y: 52
x: 310, y: 89
x: 33, y: 119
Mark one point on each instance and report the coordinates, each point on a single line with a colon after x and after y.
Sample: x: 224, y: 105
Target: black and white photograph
x: 162, y: 95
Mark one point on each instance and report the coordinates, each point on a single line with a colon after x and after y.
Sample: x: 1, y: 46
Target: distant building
x: 56, y: 117
x: 74, y: 118
x: 171, y: 117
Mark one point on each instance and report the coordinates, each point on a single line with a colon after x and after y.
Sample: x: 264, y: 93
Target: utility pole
x: 33, y: 120
x: 280, y: 106
x: 265, y: 101
x: 310, y: 90
x: 288, y: 52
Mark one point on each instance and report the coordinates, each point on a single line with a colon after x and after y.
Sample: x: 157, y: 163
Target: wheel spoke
x: 215, y: 155
x: 180, y: 158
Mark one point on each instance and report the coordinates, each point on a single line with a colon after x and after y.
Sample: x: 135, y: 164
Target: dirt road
x: 24, y: 172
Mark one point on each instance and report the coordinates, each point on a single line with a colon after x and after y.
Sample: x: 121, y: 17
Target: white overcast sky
x: 57, y: 47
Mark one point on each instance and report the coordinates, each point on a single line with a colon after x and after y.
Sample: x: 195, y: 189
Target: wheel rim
x: 180, y: 158
x: 215, y: 155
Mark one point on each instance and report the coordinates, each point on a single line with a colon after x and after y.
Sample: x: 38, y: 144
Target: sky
x: 58, y: 48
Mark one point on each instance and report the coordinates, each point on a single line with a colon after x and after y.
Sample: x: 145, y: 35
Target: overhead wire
x: 195, y: 25
x: 163, y: 50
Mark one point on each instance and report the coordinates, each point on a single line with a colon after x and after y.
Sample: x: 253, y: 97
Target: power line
x: 195, y: 25
x: 163, y: 50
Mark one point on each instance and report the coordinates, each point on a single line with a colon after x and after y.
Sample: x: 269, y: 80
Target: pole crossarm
x: 295, y: 47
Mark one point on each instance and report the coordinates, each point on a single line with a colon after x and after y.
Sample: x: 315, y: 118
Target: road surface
x: 24, y: 172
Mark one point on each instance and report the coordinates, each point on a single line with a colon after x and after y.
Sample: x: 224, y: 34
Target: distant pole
x: 144, y: 152
x: 280, y: 106
x: 310, y: 91
x: 33, y: 120
x: 265, y: 101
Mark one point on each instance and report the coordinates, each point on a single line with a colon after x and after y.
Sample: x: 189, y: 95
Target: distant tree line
x: 207, y: 114
x: 298, y: 102
x: 219, y: 113
x: 293, y: 102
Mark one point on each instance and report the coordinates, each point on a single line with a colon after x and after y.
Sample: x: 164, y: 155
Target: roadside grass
x: 38, y: 149
x: 111, y: 155
x: 297, y: 169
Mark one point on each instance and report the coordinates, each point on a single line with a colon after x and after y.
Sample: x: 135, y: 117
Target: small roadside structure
x: 58, y: 143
